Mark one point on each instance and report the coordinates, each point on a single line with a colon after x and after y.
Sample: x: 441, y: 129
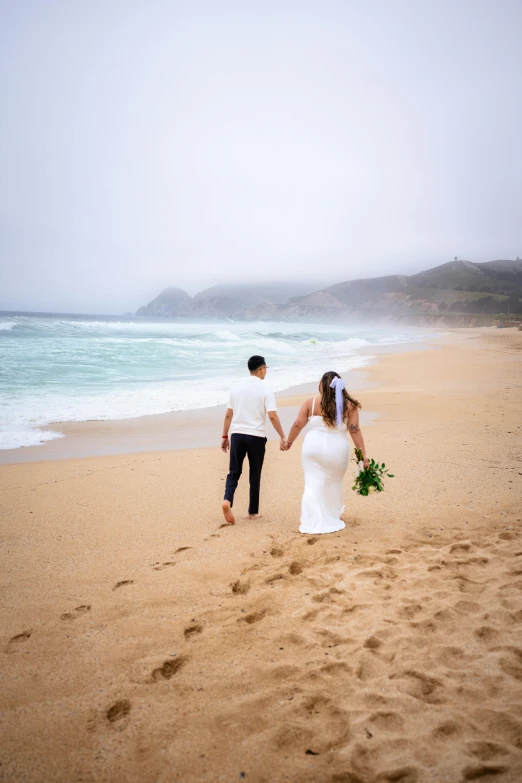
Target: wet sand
x: 144, y: 642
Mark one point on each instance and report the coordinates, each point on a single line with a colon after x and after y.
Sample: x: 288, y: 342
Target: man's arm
x: 225, y: 443
x: 276, y: 424
x: 271, y: 409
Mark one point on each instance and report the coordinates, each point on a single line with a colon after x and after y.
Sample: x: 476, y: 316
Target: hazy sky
x: 151, y: 143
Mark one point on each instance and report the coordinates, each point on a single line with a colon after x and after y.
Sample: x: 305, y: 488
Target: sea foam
x: 60, y: 369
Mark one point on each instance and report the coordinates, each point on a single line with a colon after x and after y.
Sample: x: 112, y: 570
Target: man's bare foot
x: 254, y: 516
x: 227, y: 513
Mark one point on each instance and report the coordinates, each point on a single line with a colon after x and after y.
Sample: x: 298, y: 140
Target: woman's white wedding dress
x: 325, y: 456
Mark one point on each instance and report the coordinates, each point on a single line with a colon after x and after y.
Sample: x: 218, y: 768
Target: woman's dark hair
x: 328, y: 399
x: 255, y: 362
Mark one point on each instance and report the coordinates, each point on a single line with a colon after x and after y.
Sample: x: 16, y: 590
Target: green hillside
x: 455, y: 288
x: 501, y: 277
x: 494, y: 287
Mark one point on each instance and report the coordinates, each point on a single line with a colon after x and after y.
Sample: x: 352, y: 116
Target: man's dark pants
x: 242, y: 446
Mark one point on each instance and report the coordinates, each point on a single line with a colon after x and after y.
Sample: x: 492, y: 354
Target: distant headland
x: 456, y: 293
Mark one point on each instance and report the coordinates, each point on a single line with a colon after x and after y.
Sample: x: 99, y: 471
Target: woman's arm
x: 300, y: 422
x: 355, y: 432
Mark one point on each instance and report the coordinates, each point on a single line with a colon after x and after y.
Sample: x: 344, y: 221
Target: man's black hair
x: 255, y: 362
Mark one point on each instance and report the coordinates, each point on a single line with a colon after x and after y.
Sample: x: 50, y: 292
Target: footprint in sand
x: 83, y: 609
x: 399, y: 775
x: 471, y: 561
x: 311, y: 615
x: 446, y: 616
x: 356, y: 608
x: 507, y: 536
x: 161, y: 566
x: 511, y: 662
x: 168, y: 669
x: 486, y: 634
x: 448, y: 730
x: 480, y: 771
x: 386, y: 721
x: 331, y: 638
x: 345, y: 777
x: 424, y: 626
x: 123, y: 583
x: 453, y: 657
x: 253, y: 617
x: 336, y: 667
x: 239, y: 587
x: 276, y: 551
x: 464, y: 546
x: 295, y: 568
x: 378, y: 573
x: 369, y: 668
x: 372, y: 643
x: 468, y: 607
x: 420, y: 686
x: 326, y: 596
x: 467, y: 585
x: 274, y: 578
x: 192, y: 630
x: 182, y: 549
x: 499, y: 725
x: 118, y: 714
x: 283, y: 673
x: 409, y: 611
x: 291, y: 638
x: 14, y: 643
x: 485, y: 751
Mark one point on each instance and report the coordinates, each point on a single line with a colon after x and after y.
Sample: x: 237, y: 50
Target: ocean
x: 59, y: 368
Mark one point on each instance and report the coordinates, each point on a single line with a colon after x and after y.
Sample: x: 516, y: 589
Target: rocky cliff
x: 171, y: 302
x: 223, y: 301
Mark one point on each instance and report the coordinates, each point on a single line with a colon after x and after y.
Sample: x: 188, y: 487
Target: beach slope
x: 143, y: 642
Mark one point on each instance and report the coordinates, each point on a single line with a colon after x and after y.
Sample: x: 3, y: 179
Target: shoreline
x: 197, y: 428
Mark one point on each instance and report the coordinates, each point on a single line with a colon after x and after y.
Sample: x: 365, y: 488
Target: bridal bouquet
x: 369, y: 479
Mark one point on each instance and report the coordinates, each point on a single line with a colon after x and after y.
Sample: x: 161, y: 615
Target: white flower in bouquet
x: 369, y: 480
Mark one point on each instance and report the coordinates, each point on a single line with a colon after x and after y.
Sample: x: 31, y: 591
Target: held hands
x: 225, y: 445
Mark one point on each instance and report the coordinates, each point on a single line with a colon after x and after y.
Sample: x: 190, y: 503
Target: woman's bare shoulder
x: 309, y: 403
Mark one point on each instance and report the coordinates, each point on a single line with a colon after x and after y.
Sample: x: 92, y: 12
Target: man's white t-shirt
x: 250, y: 400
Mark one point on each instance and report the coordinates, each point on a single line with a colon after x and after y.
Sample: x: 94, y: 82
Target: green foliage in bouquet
x: 370, y: 479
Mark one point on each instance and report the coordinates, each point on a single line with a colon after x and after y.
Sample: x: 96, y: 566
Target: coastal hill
x: 223, y: 300
x: 453, y: 289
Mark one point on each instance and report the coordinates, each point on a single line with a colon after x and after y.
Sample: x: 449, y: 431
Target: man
x: 249, y: 402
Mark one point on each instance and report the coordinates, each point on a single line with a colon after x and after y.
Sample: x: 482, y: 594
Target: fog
x: 194, y: 143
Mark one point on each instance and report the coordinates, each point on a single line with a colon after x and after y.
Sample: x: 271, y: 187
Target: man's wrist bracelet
x: 225, y: 437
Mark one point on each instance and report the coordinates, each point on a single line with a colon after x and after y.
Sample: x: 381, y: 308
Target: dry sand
x: 143, y: 643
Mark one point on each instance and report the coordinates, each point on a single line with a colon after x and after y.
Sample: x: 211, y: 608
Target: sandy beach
x: 142, y: 642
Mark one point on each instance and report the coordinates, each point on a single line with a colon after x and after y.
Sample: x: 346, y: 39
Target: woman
x: 331, y: 414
